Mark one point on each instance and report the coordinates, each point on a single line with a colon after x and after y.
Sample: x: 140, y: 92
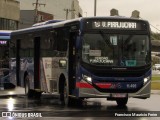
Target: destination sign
x: 131, y: 25
x: 3, y: 42
x: 108, y: 24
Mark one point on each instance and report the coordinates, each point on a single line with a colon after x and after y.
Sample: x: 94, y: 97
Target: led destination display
x: 109, y: 24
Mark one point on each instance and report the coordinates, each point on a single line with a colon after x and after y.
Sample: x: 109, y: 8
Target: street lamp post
x: 95, y: 7
x: 36, y: 10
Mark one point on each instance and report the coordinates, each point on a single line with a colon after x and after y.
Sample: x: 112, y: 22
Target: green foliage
x: 155, y: 86
x: 156, y: 77
x: 155, y: 36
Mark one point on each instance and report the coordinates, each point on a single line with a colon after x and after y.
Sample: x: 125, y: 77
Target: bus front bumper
x: 91, y: 92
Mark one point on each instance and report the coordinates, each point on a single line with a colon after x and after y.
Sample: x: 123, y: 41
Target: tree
x: 155, y: 36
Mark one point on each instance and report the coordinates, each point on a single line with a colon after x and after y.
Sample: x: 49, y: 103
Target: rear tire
x: 122, y: 101
x: 28, y: 92
x: 37, y: 95
x: 64, y: 95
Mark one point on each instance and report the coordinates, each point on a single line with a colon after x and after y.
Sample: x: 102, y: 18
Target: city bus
x: 93, y: 57
x: 5, y: 82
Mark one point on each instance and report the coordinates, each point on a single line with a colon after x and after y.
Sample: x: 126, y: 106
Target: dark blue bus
x: 95, y: 57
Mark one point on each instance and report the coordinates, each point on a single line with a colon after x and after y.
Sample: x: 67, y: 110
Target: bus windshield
x: 115, y: 49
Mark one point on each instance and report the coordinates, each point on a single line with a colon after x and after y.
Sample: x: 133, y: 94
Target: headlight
x: 87, y: 78
x: 146, y: 79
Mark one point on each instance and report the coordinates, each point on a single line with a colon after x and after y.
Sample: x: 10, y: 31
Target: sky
x: 149, y: 9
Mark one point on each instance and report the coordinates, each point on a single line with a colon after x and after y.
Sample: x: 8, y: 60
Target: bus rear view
x: 5, y: 82
x: 115, y: 59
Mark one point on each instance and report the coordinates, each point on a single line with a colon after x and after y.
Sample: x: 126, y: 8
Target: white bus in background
x: 5, y: 81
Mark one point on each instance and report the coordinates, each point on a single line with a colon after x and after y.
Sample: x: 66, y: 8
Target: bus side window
x: 62, y: 42
x: 65, y: 39
x: 54, y: 40
x: 12, y: 49
x: 49, y: 44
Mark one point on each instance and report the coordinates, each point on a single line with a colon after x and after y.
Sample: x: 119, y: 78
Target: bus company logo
x: 116, y: 85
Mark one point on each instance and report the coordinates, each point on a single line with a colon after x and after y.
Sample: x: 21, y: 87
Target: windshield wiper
x: 107, y: 41
x: 128, y: 39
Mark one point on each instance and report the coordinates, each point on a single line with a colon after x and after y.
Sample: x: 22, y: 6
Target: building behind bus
x: 9, y: 14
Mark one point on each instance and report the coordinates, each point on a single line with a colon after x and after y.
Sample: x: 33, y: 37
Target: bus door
x: 72, y: 61
x: 37, y: 63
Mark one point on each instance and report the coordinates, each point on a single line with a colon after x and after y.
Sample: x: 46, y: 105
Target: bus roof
x: 62, y: 23
x: 46, y: 22
x: 5, y: 34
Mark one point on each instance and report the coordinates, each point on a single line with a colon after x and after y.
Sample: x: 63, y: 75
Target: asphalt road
x: 92, y: 109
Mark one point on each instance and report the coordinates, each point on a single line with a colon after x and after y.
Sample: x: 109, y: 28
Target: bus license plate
x: 119, y: 95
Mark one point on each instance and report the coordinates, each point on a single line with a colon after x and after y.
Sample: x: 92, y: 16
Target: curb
x: 155, y: 91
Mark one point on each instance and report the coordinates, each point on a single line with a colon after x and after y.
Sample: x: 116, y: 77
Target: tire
x: 31, y: 94
x: 37, y: 95
x: 64, y: 95
x: 122, y: 102
x: 28, y: 92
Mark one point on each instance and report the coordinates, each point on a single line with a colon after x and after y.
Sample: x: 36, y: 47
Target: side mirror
x: 63, y: 63
x: 78, y: 42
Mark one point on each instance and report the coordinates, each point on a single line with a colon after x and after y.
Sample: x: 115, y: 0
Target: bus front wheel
x: 122, y: 101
